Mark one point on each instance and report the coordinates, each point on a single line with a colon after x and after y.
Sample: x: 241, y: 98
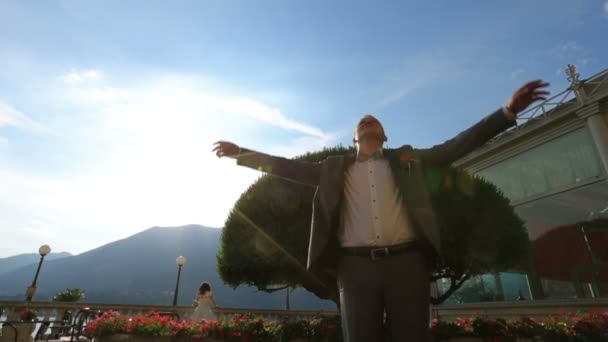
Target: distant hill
x: 141, y: 270
x: 17, y: 261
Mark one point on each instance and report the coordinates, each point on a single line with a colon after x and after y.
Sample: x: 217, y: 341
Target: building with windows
x: 552, y: 166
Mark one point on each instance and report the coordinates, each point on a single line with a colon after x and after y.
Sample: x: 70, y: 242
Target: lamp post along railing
x: 44, y: 250
x: 180, y: 261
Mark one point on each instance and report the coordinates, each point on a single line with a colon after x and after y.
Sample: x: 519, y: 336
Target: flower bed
x: 111, y: 326
x: 591, y: 326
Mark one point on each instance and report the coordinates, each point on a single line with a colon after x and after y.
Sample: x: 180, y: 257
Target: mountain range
x: 14, y: 262
x: 141, y: 269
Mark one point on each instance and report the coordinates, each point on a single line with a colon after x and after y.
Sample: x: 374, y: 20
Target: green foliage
x: 69, y: 295
x: 474, y: 290
x: 265, y: 239
x: 327, y: 328
x: 247, y: 325
x: 480, y: 232
x: 286, y: 330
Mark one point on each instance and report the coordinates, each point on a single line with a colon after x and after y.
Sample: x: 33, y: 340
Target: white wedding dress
x: 203, y: 310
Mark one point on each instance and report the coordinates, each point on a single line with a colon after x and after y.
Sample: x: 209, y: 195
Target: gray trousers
x: 396, y: 285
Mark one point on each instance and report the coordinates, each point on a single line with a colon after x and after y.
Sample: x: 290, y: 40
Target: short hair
x: 366, y: 116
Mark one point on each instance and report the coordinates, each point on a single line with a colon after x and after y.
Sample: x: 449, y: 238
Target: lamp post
x: 287, y: 304
x: 43, y: 250
x: 180, y: 261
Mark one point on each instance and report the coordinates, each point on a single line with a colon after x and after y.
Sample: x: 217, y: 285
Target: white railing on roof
x: 580, y: 92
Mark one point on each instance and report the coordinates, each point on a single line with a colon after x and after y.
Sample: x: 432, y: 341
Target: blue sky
x: 108, y: 108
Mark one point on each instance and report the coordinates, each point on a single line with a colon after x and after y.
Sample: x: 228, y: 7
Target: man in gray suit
x: 373, y: 225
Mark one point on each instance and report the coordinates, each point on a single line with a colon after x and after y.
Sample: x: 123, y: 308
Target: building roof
x: 580, y: 93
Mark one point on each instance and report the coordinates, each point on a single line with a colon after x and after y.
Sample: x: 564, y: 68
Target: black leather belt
x: 376, y: 253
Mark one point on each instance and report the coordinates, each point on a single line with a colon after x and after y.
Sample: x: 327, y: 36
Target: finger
x: 540, y: 86
x: 536, y: 98
x: 530, y: 84
x: 540, y: 93
x: 533, y: 83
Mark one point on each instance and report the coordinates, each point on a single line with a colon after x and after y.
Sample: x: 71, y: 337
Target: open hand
x: 226, y: 149
x: 524, y: 96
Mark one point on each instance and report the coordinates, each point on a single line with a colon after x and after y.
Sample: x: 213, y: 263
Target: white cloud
x: 606, y: 8
x: 41, y: 230
x: 582, y: 62
x: 173, y: 100
x: 266, y: 114
x: 568, y: 46
x: 9, y: 116
x: 420, y: 72
x: 572, y: 52
x: 143, y: 158
x: 75, y: 76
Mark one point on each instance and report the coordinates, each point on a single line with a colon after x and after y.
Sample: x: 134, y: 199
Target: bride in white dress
x: 205, y: 302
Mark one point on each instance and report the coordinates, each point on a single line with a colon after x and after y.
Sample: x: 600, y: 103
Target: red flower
x: 405, y: 159
x: 28, y: 315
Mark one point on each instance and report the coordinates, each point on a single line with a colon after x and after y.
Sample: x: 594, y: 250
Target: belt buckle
x: 375, y: 256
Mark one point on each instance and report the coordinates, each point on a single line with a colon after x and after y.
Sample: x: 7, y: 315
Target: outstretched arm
x: 487, y: 128
x: 293, y: 170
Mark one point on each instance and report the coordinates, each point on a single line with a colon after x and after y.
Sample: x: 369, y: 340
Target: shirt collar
x: 378, y: 154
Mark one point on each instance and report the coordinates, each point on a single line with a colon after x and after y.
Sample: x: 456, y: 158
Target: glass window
x: 562, y: 161
x: 569, y: 236
x: 488, y: 288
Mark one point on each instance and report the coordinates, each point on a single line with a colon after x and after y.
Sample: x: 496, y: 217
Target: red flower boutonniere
x: 406, y: 160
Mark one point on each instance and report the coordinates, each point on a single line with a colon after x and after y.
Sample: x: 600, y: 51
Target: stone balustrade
x: 9, y: 310
x: 539, y: 308
x: 50, y: 310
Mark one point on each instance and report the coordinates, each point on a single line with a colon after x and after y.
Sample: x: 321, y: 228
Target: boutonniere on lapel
x: 406, y: 161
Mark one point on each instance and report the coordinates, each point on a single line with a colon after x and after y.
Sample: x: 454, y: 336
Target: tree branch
x: 455, y: 284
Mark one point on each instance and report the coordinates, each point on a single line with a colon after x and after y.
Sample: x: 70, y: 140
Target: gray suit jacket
x: 406, y: 163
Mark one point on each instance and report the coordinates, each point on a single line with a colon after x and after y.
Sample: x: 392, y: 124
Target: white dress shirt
x: 373, y: 212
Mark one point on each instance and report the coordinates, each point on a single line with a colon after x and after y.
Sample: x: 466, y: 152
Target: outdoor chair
x: 59, y: 328
x: 72, y: 327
